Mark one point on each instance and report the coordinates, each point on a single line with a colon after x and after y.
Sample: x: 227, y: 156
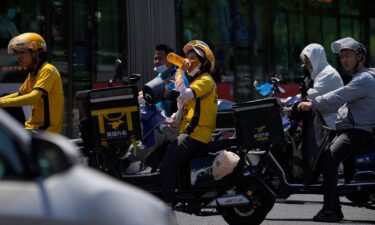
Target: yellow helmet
x: 201, y: 47
x: 27, y: 41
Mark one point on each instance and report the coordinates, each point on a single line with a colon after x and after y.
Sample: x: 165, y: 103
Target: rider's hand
x: 283, y: 101
x: 140, y: 94
x: 185, y: 65
x: 304, y: 106
x: 170, y: 122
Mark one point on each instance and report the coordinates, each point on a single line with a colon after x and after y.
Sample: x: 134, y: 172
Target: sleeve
x: 330, y: 102
x: 202, y: 86
x: 186, y: 93
x: 46, y: 79
x: 22, y: 100
x: 180, y: 84
x: 324, y: 83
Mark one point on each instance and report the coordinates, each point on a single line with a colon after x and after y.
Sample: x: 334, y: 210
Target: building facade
x: 252, y: 40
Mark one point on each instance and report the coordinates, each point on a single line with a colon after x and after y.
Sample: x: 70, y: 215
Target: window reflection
x: 253, y: 40
x: 108, y: 45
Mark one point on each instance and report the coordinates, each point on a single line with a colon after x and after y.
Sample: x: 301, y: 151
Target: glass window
x: 58, y: 46
x: 288, y: 4
x: 50, y: 158
x: 58, y: 41
x: 346, y: 27
x: 350, y: 7
x: 329, y: 35
x: 262, y: 40
x: 356, y: 29
x: 281, y: 50
x: 108, y: 38
x: 194, y: 19
x: 314, y: 29
x: 17, y: 17
x: 82, y: 66
x: 296, y: 44
x: 320, y: 4
x: 98, y: 41
x: 243, y: 49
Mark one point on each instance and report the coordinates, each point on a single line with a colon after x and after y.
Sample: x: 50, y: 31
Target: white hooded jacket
x: 325, y: 77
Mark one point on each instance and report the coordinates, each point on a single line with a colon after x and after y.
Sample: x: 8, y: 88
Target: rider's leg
x: 176, y: 155
x: 343, y: 145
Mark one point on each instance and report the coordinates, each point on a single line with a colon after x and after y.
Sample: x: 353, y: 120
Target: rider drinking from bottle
x: 198, y: 104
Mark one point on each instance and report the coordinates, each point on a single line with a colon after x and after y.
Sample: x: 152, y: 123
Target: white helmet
x: 351, y: 44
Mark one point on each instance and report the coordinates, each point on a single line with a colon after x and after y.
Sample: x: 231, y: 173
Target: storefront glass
x: 254, y: 40
x: 83, y: 39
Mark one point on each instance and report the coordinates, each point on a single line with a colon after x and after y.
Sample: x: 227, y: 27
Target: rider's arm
x: 355, y: 89
x: 325, y: 82
x: 10, y: 96
x: 22, y: 100
x: 186, y: 93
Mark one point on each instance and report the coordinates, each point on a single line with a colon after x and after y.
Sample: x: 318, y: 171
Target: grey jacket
x: 325, y: 77
x: 355, y: 102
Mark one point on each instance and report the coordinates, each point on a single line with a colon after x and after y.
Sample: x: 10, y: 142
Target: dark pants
x: 343, y: 145
x: 176, y: 155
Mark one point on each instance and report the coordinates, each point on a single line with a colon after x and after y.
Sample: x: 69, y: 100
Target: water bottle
x: 175, y: 59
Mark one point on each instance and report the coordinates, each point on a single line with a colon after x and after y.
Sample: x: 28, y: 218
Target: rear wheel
x: 261, y: 202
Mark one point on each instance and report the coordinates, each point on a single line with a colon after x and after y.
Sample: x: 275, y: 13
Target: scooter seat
x: 214, y: 147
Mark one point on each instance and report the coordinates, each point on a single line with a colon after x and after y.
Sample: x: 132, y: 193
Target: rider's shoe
x: 130, y: 167
x: 145, y: 169
x: 326, y: 215
x: 339, y: 213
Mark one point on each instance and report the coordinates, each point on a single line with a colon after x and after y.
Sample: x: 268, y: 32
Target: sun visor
x: 344, y: 43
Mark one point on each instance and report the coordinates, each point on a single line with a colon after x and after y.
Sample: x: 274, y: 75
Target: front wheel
x: 261, y: 202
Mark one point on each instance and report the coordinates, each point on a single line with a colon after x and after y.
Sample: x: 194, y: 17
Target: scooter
x: 266, y: 146
x: 110, y: 122
x: 292, y: 167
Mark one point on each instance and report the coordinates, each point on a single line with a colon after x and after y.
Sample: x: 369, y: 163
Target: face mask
x: 161, y: 69
x: 194, y: 71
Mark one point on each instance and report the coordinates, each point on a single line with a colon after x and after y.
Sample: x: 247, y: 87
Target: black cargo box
x: 109, y: 116
x: 258, y: 123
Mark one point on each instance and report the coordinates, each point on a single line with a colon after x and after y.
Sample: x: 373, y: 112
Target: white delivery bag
x: 224, y: 164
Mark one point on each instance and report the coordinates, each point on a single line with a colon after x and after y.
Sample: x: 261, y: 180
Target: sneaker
x: 326, y: 215
x: 133, y: 167
x: 145, y: 169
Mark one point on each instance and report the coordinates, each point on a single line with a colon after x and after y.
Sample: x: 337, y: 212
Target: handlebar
x: 127, y: 79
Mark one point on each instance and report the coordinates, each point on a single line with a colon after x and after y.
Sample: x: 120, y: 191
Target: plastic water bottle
x: 175, y: 59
